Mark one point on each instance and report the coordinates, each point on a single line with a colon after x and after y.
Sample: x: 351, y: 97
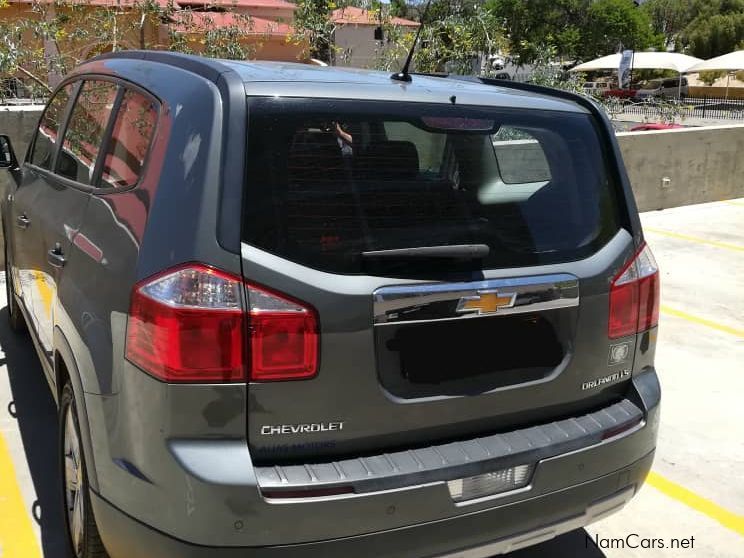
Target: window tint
x: 130, y: 141
x: 46, y: 136
x: 430, y: 147
x: 520, y: 156
x: 331, y: 180
x: 85, y: 131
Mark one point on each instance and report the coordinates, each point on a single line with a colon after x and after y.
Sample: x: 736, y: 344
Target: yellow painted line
x: 697, y: 240
x: 702, y: 321
x: 732, y: 202
x: 703, y: 505
x: 17, y: 537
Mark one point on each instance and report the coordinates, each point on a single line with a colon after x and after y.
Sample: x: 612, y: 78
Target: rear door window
x: 46, y: 136
x: 331, y: 180
x: 85, y: 130
x: 130, y: 141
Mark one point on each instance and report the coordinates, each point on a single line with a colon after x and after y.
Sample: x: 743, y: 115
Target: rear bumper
x: 221, y: 513
x: 475, y: 535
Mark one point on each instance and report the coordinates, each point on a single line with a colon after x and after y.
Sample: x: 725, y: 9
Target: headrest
x: 313, y: 155
x: 393, y: 160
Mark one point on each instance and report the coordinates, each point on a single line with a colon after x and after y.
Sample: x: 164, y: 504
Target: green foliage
x: 533, y: 23
x: 581, y: 29
x: 612, y: 24
x: 314, y: 27
x: 707, y: 37
x: 709, y: 78
x: 669, y: 17
x: 454, y: 38
x: 61, y: 34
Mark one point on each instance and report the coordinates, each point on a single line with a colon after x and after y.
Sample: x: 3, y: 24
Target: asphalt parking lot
x: 693, y: 502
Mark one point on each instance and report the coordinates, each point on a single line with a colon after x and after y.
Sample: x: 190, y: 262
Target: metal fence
x: 710, y: 108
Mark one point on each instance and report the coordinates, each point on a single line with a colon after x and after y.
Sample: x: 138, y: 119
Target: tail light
x: 284, y: 337
x: 634, y: 296
x: 190, y: 324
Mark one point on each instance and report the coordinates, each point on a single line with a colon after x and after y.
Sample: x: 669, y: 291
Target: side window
x: 46, y: 135
x: 85, y: 131
x: 430, y: 146
x: 520, y: 156
x: 130, y: 141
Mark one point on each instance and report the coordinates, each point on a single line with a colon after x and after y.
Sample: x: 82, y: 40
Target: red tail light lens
x: 634, y: 296
x: 284, y: 337
x: 189, y: 324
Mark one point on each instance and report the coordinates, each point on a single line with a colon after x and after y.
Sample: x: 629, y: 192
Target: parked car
x: 289, y: 310
x: 667, y: 88
x: 596, y: 88
x: 620, y: 93
x: 647, y: 126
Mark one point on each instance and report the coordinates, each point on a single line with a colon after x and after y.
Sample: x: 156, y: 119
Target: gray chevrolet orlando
x: 293, y: 311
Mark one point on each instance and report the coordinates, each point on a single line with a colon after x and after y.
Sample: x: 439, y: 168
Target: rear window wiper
x: 458, y: 251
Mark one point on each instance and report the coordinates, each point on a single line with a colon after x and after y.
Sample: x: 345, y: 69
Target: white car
x: 669, y: 87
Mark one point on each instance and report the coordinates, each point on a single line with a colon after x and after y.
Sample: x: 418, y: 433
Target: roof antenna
x: 403, y: 75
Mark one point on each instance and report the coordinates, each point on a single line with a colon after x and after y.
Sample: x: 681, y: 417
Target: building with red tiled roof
x: 351, y: 15
x: 356, y: 35
x: 276, y: 10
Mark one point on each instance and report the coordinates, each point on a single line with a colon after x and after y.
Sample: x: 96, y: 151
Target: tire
x: 83, y: 539
x: 15, y: 317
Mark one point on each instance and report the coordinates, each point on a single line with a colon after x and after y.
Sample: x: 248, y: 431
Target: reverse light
x: 193, y: 324
x: 634, y: 296
x: 490, y: 484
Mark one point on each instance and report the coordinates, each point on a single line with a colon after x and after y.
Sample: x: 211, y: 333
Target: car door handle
x: 56, y: 258
x: 22, y: 222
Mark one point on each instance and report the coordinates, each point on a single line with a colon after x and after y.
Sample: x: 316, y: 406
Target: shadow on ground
x: 35, y: 410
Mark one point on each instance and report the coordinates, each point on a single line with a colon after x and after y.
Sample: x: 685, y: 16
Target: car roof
x: 261, y: 78
x: 294, y: 79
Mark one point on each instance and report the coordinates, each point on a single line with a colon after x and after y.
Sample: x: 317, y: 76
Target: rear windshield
x: 331, y: 180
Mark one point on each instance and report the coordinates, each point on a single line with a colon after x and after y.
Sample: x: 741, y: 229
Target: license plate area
x: 462, y: 357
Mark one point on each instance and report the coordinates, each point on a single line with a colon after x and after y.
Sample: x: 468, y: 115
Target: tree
x: 398, y: 8
x: 532, y: 24
x: 614, y: 24
x: 669, y: 18
x: 714, y: 36
x: 716, y: 27
x: 454, y: 37
x: 53, y: 37
x: 312, y: 23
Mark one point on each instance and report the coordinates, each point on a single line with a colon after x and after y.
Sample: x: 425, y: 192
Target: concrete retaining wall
x: 701, y: 165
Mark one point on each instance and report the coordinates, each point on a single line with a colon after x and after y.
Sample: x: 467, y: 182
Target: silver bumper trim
x: 595, y: 512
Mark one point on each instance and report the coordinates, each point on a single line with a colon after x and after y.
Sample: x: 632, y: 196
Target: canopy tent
x: 731, y: 62
x: 642, y: 61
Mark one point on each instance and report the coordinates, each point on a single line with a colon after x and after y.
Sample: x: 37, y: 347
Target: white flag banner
x: 623, y: 72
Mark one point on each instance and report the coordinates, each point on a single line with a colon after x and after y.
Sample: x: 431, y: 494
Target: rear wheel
x: 15, y: 318
x: 83, y: 537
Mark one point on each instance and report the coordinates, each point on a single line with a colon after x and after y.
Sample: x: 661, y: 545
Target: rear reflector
x: 634, y: 296
x: 489, y: 484
x: 189, y: 324
x: 316, y: 493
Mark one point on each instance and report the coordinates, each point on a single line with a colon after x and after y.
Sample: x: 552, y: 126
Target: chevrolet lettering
x: 309, y: 428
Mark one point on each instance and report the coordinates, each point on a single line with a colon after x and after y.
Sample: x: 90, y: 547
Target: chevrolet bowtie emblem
x: 486, y: 302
